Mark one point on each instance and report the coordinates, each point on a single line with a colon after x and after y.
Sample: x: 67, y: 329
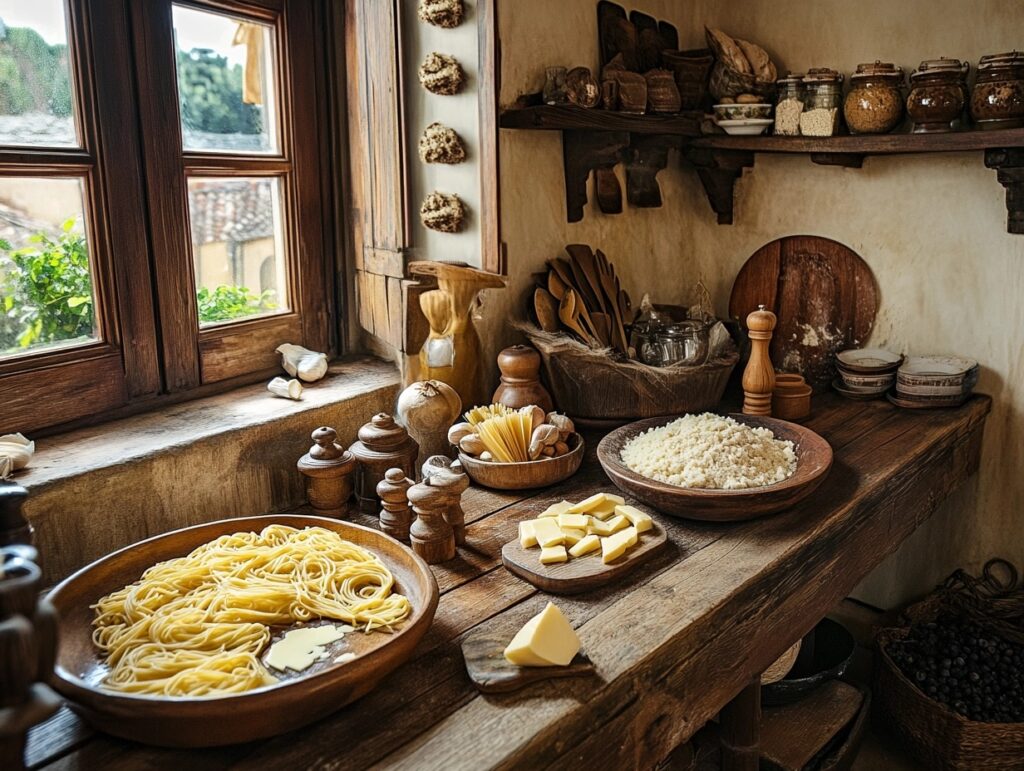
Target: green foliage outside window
x: 46, y: 290
x: 33, y: 74
x: 226, y: 303
x: 211, y: 94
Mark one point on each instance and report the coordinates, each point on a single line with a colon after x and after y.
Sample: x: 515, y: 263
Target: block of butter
x: 555, y: 509
x: 547, y: 532
x: 614, y: 546
x: 642, y: 522
x: 546, y: 640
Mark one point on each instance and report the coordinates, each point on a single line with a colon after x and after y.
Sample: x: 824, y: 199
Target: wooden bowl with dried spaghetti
x: 297, y: 698
x: 528, y: 474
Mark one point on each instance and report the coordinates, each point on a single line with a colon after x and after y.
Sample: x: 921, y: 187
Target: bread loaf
x: 728, y: 51
x: 760, y: 63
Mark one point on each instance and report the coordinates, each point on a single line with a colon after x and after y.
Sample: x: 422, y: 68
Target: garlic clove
x: 459, y: 430
x: 17, y: 449
x: 302, y: 363
x: 289, y: 389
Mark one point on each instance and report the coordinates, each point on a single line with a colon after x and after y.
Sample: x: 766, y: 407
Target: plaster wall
x: 931, y: 228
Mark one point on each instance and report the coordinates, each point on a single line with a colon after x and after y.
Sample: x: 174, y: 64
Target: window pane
x: 237, y: 247
x: 36, y: 102
x: 46, y: 289
x: 225, y: 82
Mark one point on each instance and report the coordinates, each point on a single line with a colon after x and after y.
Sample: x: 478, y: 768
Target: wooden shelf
x: 862, y: 145
x: 550, y: 118
x: 594, y: 141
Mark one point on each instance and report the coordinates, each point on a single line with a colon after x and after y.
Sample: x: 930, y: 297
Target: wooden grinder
x: 520, y: 380
x: 454, y: 482
x: 431, y: 536
x: 329, y: 470
x: 382, y: 444
x: 759, y: 376
x: 395, y: 514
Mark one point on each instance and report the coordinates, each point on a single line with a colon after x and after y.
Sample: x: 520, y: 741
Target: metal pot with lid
x: 875, y: 102
x: 997, y: 100
x: 938, y: 95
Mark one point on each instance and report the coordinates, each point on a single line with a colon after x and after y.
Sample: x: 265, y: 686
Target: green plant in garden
x: 46, y: 290
x: 225, y: 303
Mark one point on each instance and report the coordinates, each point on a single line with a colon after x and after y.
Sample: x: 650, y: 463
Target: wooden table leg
x: 740, y: 726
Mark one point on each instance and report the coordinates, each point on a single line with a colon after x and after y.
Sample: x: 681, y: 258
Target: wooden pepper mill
x: 329, y: 470
x: 454, y: 482
x: 382, y: 444
x: 759, y: 376
x: 431, y: 536
x: 520, y: 380
x: 395, y: 514
x: 28, y: 633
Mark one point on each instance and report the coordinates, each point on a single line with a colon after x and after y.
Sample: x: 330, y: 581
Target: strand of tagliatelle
x: 195, y: 625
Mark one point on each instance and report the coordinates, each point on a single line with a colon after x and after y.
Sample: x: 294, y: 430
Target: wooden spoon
x: 582, y: 286
x: 564, y: 272
x: 556, y: 286
x: 603, y: 327
x: 582, y: 256
x: 568, y: 317
x: 546, y: 308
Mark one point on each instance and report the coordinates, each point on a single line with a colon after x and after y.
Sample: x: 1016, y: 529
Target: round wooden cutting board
x: 824, y: 295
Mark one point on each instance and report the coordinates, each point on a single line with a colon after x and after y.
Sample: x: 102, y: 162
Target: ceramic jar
x: 790, y: 104
x: 997, y: 100
x: 820, y: 117
x: 875, y: 102
x: 937, y: 95
x: 520, y: 380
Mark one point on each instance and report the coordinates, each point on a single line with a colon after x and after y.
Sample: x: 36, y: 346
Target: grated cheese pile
x: 711, y: 452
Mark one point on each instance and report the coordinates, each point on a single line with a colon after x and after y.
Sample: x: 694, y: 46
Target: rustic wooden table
x: 678, y: 641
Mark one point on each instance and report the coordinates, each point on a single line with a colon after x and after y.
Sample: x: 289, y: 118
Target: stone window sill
x: 96, y: 489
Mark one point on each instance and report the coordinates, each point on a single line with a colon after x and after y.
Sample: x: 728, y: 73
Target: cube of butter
x: 606, y: 528
x: 586, y: 545
x: 555, y: 509
x: 578, y: 521
x: 603, y: 510
x: 572, y: 536
x: 549, y: 555
x: 614, y: 546
x: 587, y: 504
x: 642, y: 522
x: 547, y: 532
x: 527, y: 537
x: 546, y: 640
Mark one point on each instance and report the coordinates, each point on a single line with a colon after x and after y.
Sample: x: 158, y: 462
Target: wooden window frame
x: 151, y: 350
x: 192, y: 355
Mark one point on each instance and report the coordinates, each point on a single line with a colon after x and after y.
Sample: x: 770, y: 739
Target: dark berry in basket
x: 966, y: 667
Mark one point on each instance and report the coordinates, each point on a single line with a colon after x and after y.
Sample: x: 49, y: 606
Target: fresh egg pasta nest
x: 195, y: 625
x: 712, y: 452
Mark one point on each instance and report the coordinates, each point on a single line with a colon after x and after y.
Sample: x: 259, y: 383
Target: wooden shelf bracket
x: 718, y: 171
x: 582, y: 153
x: 1009, y: 166
x: 646, y: 156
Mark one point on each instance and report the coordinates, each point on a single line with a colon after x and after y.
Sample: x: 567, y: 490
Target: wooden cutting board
x: 825, y: 297
x: 579, y: 574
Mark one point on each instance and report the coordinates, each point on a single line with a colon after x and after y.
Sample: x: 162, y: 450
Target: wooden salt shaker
x: 382, y: 444
x: 395, y: 514
x: 759, y: 376
x: 454, y: 482
x: 520, y: 380
x: 431, y: 536
x: 329, y: 471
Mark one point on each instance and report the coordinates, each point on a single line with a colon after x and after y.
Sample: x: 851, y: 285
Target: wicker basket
x: 725, y: 81
x: 939, y: 736
x: 599, y: 391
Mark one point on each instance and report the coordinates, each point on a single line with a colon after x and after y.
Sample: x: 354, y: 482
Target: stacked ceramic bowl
x: 866, y: 373
x: 934, y: 381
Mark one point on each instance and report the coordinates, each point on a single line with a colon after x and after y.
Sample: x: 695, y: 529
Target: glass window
x: 226, y: 84
x: 46, y: 283
x: 237, y: 247
x: 36, y: 97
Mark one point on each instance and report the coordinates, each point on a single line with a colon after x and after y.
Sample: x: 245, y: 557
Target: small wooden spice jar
x: 791, y: 397
x: 328, y: 469
x: 520, y: 380
x: 382, y: 444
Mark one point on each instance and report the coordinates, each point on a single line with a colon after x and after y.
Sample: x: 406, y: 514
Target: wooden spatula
x: 546, y: 308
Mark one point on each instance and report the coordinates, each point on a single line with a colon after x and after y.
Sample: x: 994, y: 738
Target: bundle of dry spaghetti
x: 195, y: 625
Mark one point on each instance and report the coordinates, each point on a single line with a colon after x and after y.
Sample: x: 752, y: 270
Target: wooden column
x: 740, y: 724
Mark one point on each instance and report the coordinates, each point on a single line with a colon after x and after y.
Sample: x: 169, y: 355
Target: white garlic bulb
x: 17, y: 450
x: 289, y: 389
x: 302, y: 363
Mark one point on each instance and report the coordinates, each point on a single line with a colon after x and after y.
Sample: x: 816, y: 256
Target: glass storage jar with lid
x: 875, y: 102
x: 820, y: 117
x: 938, y: 88
x: 997, y: 100
x: 789, y: 105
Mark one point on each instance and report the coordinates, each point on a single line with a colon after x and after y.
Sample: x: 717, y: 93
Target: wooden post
x: 740, y: 724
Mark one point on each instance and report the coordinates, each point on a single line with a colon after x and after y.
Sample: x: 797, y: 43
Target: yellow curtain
x: 251, y: 36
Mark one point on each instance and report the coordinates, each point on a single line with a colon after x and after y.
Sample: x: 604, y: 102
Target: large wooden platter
x: 256, y: 714
x: 814, y: 459
x: 579, y: 574
x: 825, y: 297
x: 483, y: 651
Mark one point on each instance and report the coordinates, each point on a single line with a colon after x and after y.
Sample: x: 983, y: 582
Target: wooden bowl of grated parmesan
x: 715, y: 468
